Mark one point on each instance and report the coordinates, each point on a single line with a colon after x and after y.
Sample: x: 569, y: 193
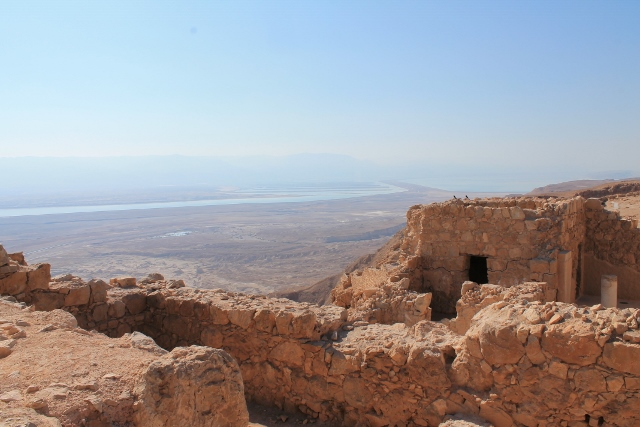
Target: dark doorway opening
x: 478, y: 271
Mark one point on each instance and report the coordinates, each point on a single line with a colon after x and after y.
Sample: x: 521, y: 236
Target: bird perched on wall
x: 466, y: 197
x: 455, y: 197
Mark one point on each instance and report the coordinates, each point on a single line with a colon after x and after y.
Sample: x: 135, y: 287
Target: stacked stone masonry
x: 510, y: 365
x: 513, y: 355
x: 520, y: 238
x: 54, y: 373
x: 612, y: 247
x: 567, y: 243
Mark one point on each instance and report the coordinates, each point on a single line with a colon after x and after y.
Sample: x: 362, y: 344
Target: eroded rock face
x: 195, y: 386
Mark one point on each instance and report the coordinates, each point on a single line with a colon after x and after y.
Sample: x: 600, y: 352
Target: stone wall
x: 512, y: 357
x: 612, y: 247
x: 530, y: 363
x: 296, y: 356
x: 520, y: 237
x: 19, y: 279
x: 376, y: 295
x: 54, y: 373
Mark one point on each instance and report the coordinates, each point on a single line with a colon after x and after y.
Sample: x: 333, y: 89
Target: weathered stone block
x: 288, y: 352
x: 212, y: 337
x: 123, y: 282
x: 516, y: 213
x: 39, y: 276
x: 78, y: 296
x: 500, y: 345
x: 218, y: 315
x: 265, y: 320
x: 590, y: 379
x: 14, y: 284
x: 201, y: 310
x: 136, y: 303
x: 100, y: 312
x: 47, y: 301
x: 4, y: 257
x: 622, y: 356
x: 175, y: 324
x: 117, y: 309
x: 572, y: 342
x: 186, y: 308
x: 240, y: 317
x: 594, y: 204
x: 539, y: 265
x: 98, y: 290
x: 356, y: 392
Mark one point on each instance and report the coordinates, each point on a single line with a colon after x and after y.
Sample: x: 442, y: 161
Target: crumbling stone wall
x: 49, y: 365
x: 567, y: 243
x: 377, y: 295
x: 530, y: 363
x: 520, y: 237
x: 19, y: 279
x: 612, y: 247
x: 296, y: 356
x: 512, y: 357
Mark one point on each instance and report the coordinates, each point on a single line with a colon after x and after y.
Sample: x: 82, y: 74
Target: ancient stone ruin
x: 567, y: 243
x: 512, y: 349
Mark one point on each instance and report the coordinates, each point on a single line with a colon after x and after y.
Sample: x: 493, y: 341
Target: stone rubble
x: 512, y: 356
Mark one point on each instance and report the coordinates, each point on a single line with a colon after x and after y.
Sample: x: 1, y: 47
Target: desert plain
x: 253, y: 248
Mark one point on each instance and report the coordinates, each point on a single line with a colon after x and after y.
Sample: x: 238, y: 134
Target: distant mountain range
x: 110, y: 173
x: 29, y: 175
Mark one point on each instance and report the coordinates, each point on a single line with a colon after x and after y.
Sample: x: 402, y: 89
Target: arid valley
x: 255, y: 248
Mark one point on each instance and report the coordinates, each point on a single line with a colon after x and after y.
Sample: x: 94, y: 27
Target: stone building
x: 567, y: 243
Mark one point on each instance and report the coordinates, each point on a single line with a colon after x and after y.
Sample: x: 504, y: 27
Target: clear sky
x: 491, y: 82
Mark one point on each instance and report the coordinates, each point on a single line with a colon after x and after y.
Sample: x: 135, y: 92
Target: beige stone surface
x: 195, y: 386
x: 512, y: 356
x: 77, y: 377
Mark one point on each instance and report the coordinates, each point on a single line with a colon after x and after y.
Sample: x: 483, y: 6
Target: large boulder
x: 194, y: 386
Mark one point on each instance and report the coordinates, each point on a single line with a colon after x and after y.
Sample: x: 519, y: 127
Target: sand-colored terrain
x: 255, y: 248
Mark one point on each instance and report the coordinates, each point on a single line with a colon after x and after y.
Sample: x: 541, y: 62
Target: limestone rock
x: 498, y: 337
x: 78, y: 296
x: 622, y: 356
x: 572, y: 342
x: 38, y: 276
x: 123, y: 282
x: 143, y: 342
x: 4, y: 257
x: 98, y: 290
x: 26, y: 417
x: 195, y: 386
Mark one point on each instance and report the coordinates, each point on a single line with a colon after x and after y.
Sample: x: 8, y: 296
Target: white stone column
x: 609, y: 290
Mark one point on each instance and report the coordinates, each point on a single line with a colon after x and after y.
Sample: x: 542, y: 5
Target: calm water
x: 274, y: 196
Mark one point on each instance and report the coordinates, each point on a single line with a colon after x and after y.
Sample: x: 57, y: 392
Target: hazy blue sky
x: 512, y: 82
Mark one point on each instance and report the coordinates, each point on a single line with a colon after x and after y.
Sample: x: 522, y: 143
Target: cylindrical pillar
x: 609, y: 290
